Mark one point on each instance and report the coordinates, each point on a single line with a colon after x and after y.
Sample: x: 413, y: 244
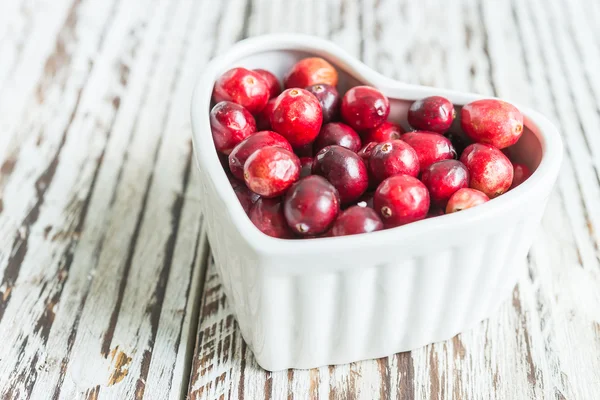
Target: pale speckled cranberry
x: 267, y: 216
x: 306, y: 164
x: 393, y: 157
x: 356, y: 220
x: 492, y: 121
x: 490, y: 171
x: 401, y: 199
x: 263, y: 118
x: 297, y: 116
x: 521, y: 174
x: 230, y: 123
x: 443, y: 179
x: 244, y: 87
x: 383, y: 133
x: 259, y: 140
x: 364, y: 107
x: 272, y: 82
x: 465, y: 198
x: 311, y: 205
x: 430, y: 147
x: 310, y: 71
x: 337, y: 133
x: 270, y: 171
x: 329, y: 98
x: 246, y: 197
x: 434, y: 113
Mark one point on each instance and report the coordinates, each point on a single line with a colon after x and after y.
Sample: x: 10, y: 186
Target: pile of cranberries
x: 309, y: 162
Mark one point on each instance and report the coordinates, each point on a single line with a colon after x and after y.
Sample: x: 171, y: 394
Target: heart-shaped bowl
x: 308, y: 303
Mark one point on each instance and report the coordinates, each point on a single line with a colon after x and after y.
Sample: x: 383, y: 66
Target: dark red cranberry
x: 246, y: 197
x: 311, y: 71
x: 401, y: 199
x: 465, y: 198
x: 244, y: 87
x: 443, y: 179
x: 329, y: 99
x: 459, y: 142
x: 430, y: 147
x: 267, y: 216
x: 263, y: 118
x: 311, y: 205
x: 393, y: 157
x: 344, y: 169
x: 492, y: 121
x: 306, y: 164
x: 521, y: 174
x: 433, y: 114
x: 364, y: 107
x: 297, y: 116
x: 243, y: 150
x: 272, y: 82
x: 230, y: 123
x: 356, y: 220
x: 490, y: 171
x: 366, y: 150
x: 366, y: 200
x: 336, y: 133
x: 270, y: 171
x: 383, y: 133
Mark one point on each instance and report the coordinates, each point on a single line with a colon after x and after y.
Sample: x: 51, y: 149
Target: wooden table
x: 107, y: 286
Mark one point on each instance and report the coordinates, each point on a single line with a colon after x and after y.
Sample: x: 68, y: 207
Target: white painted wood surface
x: 102, y: 254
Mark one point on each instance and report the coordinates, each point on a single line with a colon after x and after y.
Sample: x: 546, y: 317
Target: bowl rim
x: 539, y: 183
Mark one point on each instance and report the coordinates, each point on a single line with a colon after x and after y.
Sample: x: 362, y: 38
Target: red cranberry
x: 465, y: 198
x: 493, y: 122
x: 430, y: 147
x: 329, y: 99
x: 263, y: 118
x: 459, y: 142
x: 364, y: 107
x: 230, y: 123
x: 243, y: 150
x: 244, y: 87
x: 344, y: 169
x: 267, y: 216
x: 246, y: 197
x: 272, y: 82
x: 336, y: 133
x: 401, y: 199
x: 270, y: 171
x: 393, y: 157
x: 443, y: 178
x: 297, y: 116
x: 433, y: 114
x: 490, y: 170
x: 521, y: 174
x: 366, y: 200
x: 310, y: 71
x: 356, y: 220
x: 306, y: 164
x: 383, y: 133
x: 311, y: 205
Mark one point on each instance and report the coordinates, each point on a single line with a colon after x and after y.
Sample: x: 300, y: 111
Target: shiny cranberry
x: 459, y: 142
x: 244, y: 87
x: 270, y: 171
x: 433, y: 114
x: 356, y: 220
x: 393, y: 157
x: 521, y: 174
x: 345, y: 170
x: 383, y: 133
x: 263, y: 118
x: 336, y: 133
x: 401, y: 199
x: 310, y: 71
x: 297, y: 116
x: 493, y: 122
x: 364, y: 107
x: 272, y: 82
x: 465, y: 198
x: 311, y: 205
x: 230, y: 123
x: 246, y: 197
x: 366, y: 200
x: 329, y: 99
x: 306, y: 164
x: 430, y: 147
x: 267, y: 216
x: 244, y: 149
x: 366, y: 150
x: 490, y: 170
x: 443, y: 179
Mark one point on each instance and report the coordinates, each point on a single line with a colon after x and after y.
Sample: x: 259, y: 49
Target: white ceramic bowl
x: 307, y: 303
